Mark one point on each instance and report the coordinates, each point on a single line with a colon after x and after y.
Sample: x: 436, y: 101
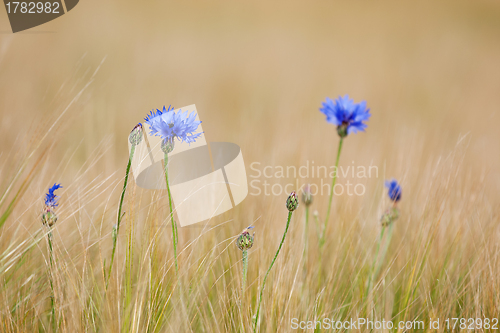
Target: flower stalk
x: 349, y: 117
x: 387, y: 221
x: 170, y: 125
x: 245, y: 243
x: 135, y: 138
x: 334, y: 180
x: 292, y: 203
x: 307, y: 199
x: 49, y: 219
x: 168, y: 147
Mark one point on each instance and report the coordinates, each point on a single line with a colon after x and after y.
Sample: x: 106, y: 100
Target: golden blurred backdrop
x: 258, y: 72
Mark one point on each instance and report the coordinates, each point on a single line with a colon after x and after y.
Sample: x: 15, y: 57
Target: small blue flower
x: 168, y: 125
x: 347, y: 115
x: 50, y: 198
x: 394, y: 190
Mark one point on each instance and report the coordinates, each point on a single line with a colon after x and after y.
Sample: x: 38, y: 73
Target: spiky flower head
x: 292, y: 202
x: 50, y: 198
x: 169, y: 125
x: 394, y: 190
x: 349, y: 117
x: 307, y: 197
x: 245, y: 240
x: 153, y: 114
x: 49, y: 217
x: 135, y: 136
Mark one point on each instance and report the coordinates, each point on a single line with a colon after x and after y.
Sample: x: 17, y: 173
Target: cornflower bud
x: 135, y: 136
x: 245, y: 240
x: 292, y: 202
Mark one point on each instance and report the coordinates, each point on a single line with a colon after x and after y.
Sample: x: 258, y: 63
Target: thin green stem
x: 119, y: 219
x: 318, y: 226
x: 377, y: 264
x: 306, y: 236
x: 129, y: 257
x: 269, y: 270
x: 372, y: 269
x: 52, y: 297
x: 306, y: 228
x: 245, y: 271
x: 387, y: 242
x: 243, y: 286
x: 322, y: 239
x: 174, y: 226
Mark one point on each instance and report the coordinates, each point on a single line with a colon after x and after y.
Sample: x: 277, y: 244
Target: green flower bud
x: 389, y: 216
x: 307, y: 197
x: 342, y: 130
x: 49, y: 218
x: 292, y: 202
x: 167, y: 146
x: 245, y: 240
x: 135, y: 136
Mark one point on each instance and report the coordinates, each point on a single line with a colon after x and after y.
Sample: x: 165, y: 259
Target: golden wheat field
x: 71, y: 91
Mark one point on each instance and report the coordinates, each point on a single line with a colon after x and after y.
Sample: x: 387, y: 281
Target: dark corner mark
x: 25, y: 15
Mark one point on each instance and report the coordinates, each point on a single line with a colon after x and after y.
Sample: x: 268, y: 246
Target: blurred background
x: 258, y: 72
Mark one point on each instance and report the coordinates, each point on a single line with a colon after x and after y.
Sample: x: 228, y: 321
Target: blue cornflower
x: 168, y: 125
x: 50, y: 198
x: 152, y: 114
x: 394, y: 190
x: 347, y: 115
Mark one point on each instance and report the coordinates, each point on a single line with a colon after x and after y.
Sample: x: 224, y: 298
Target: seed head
x: 292, y: 202
x: 135, y: 136
x: 245, y: 240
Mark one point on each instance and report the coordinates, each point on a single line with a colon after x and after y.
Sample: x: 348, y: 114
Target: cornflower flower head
x: 153, y: 114
x: 169, y: 125
x: 394, y: 193
x: 349, y: 117
x: 49, y: 217
x: 245, y: 240
x: 50, y: 198
x: 394, y: 190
